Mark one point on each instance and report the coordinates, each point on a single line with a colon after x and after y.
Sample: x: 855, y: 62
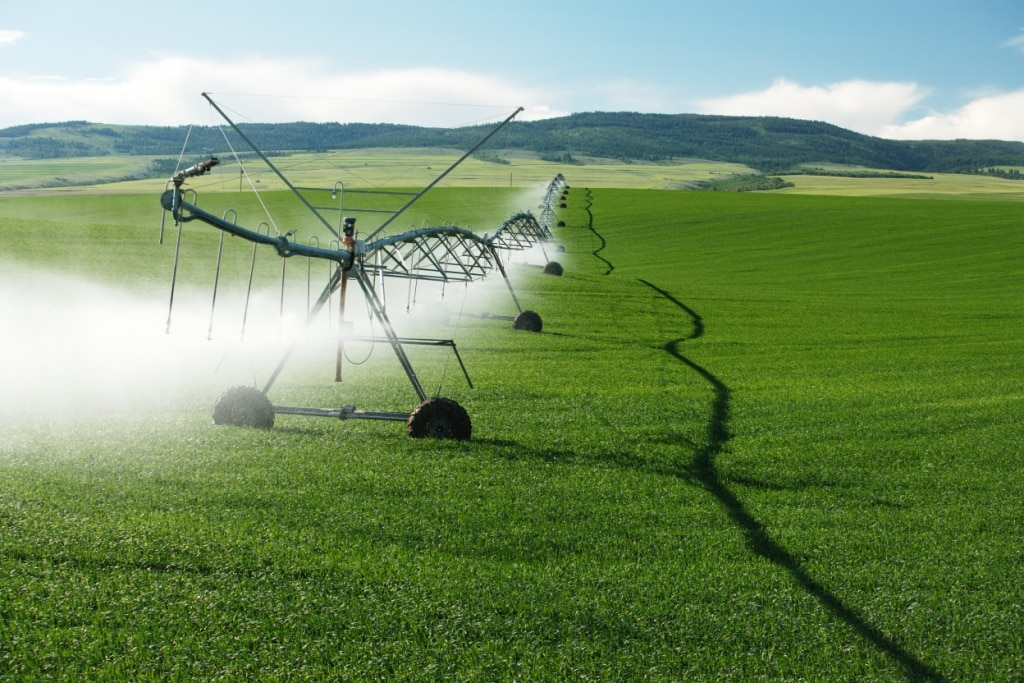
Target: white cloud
x: 995, y: 117
x: 166, y: 91
x: 881, y: 109
x: 1016, y: 42
x: 9, y: 37
x: 863, y: 106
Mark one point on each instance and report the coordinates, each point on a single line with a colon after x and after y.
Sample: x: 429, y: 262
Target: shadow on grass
x: 705, y: 472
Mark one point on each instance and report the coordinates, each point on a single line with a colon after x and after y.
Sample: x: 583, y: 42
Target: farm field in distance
x: 362, y: 168
x: 761, y: 436
x: 370, y: 168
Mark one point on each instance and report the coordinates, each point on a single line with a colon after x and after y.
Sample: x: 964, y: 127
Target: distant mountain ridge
x: 768, y: 144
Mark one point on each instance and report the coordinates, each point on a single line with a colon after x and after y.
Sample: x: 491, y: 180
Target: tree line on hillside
x: 768, y: 144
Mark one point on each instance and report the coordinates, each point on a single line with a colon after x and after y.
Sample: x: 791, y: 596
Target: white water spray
x: 74, y: 347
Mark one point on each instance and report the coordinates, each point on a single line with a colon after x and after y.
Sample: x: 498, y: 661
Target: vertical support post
x: 174, y: 277
x: 175, y: 203
x: 280, y: 314
x: 341, y: 325
x: 313, y: 241
x: 349, y: 241
x: 331, y: 273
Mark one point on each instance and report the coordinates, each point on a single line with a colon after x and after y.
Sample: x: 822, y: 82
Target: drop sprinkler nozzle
x: 202, y: 168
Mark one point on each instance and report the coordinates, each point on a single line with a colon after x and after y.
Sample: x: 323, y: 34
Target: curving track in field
x: 600, y: 237
x: 758, y: 539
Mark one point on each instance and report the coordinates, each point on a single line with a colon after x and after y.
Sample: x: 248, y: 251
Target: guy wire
x: 181, y: 156
x: 248, y: 179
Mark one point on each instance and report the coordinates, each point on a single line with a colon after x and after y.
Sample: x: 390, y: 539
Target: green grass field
x: 376, y: 168
x: 761, y: 437
x: 17, y: 174
x: 365, y: 168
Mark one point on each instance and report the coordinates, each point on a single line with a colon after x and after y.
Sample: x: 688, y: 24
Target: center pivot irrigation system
x: 445, y: 254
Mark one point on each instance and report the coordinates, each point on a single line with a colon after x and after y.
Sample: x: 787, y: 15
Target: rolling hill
x: 769, y: 144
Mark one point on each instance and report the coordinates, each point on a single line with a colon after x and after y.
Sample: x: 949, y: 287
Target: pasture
x: 372, y: 168
x: 762, y: 436
x: 377, y: 167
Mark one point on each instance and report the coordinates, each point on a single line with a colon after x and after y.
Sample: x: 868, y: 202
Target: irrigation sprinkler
x: 441, y: 254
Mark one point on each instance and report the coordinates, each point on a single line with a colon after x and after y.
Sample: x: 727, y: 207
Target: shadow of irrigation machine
x: 445, y: 254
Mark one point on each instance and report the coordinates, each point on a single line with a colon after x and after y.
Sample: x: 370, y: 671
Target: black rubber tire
x: 244, y: 407
x: 529, y: 321
x: 440, y: 418
x: 553, y: 268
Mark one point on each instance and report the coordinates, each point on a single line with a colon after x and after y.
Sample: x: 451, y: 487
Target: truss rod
x: 271, y: 165
x: 447, y: 171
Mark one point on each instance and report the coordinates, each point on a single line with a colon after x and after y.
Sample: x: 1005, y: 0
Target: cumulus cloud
x: 995, y: 117
x: 166, y: 91
x: 859, y: 105
x: 9, y: 37
x: 879, y: 108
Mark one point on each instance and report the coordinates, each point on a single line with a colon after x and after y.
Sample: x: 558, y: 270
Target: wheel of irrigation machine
x: 529, y: 321
x: 244, y: 407
x: 553, y: 268
x: 440, y: 418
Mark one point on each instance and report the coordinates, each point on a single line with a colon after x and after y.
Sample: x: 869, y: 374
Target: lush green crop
x: 760, y: 437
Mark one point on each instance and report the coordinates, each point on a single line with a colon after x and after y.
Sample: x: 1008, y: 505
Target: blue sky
x: 905, y: 69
